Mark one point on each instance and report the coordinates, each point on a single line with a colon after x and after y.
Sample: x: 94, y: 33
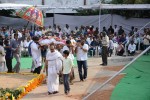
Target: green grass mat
x: 136, y: 84
x: 26, y: 62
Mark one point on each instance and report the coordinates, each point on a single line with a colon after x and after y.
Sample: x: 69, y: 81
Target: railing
x: 146, y: 50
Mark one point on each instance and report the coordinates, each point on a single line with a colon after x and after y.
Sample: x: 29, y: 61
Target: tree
x: 132, y: 13
x: 7, y: 13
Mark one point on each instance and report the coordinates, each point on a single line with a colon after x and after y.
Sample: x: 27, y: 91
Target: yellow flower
x: 7, y: 94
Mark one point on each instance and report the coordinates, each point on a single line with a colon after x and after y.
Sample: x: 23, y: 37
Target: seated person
x: 120, y: 49
x: 93, y: 47
x: 131, y: 48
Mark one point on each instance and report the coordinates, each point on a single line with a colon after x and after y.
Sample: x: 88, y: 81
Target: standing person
x: 110, y: 47
x: 67, y: 66
x: 54, y: 64
x: 2, y: 57
x: 67, y: 30
x: 36, y: 55
x: 146, y: 40
x: 8, y: 56
x: 105, y: 43
x: 70, y: 48
x: 81, y: 53
x: 15, y: 45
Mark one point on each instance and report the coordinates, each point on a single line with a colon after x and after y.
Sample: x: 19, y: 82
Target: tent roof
x: 118, y: 6
x: 6, y: 6
x: 94, y: 6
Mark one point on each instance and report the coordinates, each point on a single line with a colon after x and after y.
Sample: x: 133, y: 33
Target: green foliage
x: 10, y: 94
x: 126, y: 13
x: 6, y: 12
x: 132, y: 13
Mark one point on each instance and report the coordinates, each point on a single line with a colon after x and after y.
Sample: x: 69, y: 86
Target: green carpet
x: 136, y: 84
x: 26, y: 62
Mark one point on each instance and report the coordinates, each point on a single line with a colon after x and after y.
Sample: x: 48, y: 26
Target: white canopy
x: 118, y: 6
x: 6, y: 6
x: 94, y: 6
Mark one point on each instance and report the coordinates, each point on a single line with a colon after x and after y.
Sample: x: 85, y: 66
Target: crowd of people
x: 58, y: 58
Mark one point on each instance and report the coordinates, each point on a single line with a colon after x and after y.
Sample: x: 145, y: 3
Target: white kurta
x: 54, y: 65
x: 2, y: 59
x: 36, y: 55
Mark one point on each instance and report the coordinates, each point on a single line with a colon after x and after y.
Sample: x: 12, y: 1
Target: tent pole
x: 100, y: 16
x: 53, y: 17
x: 27, y: 25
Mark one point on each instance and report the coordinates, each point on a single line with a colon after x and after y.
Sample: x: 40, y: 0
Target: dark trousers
x: 66, y: 82
x: 145, y: 47
x: 131, y: 53
x: 37, y: 70
x: 104, y: 55
x: 82, y: 64
x: 9, y: 64
x: 120, y: 53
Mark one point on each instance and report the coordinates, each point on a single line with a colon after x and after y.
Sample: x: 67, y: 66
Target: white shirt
x: 146, y: 41
x: 132, y: 47
x: 70, y: 54
x: 19, y: 35
x: 26, y: 43
x: 67, y: 30
x: 36, y: 54
x: 82, y: 55
x: 38, y: 33
x: 116, y: 30
x: 111, y: 44
x: 2, y: 54
x: 89, y: 40
x: 67, y: 65
x: 105, y: 41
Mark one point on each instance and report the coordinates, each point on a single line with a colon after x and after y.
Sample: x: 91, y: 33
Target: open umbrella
x: 31, y: 14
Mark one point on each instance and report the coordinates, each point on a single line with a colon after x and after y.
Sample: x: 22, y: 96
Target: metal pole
x: 53, y: 17
x: 116, y: 74
x: 100, y: 16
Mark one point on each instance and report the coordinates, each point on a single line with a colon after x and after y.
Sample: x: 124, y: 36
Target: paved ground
x: 96, y: 76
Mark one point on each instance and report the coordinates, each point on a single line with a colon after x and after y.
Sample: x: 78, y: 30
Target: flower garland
x: 7, y: 94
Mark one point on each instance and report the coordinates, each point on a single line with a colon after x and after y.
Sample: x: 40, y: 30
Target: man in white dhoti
x: 54, y: 64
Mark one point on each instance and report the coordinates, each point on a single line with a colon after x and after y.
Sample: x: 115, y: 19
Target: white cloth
x: 105, y: 41
x: 111, y: 44
x: 67, y: 30
x: 54, y: 65
x: 2, y: 60
x: 47, y: 41
x: 131, y: 47
x: 146, y: 40
x: 38, y: 33
x: 36, y: 54
x: 82, y: 55
x: 70, y: 54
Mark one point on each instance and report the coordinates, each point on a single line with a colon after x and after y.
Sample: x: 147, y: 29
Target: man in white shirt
x: 105, y: 44
x: 131, y: 48
x: 38, y: 32
x: 81, y: 53
x: 67, y: 29
x: 116, y: 30
x: 36, y: 55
